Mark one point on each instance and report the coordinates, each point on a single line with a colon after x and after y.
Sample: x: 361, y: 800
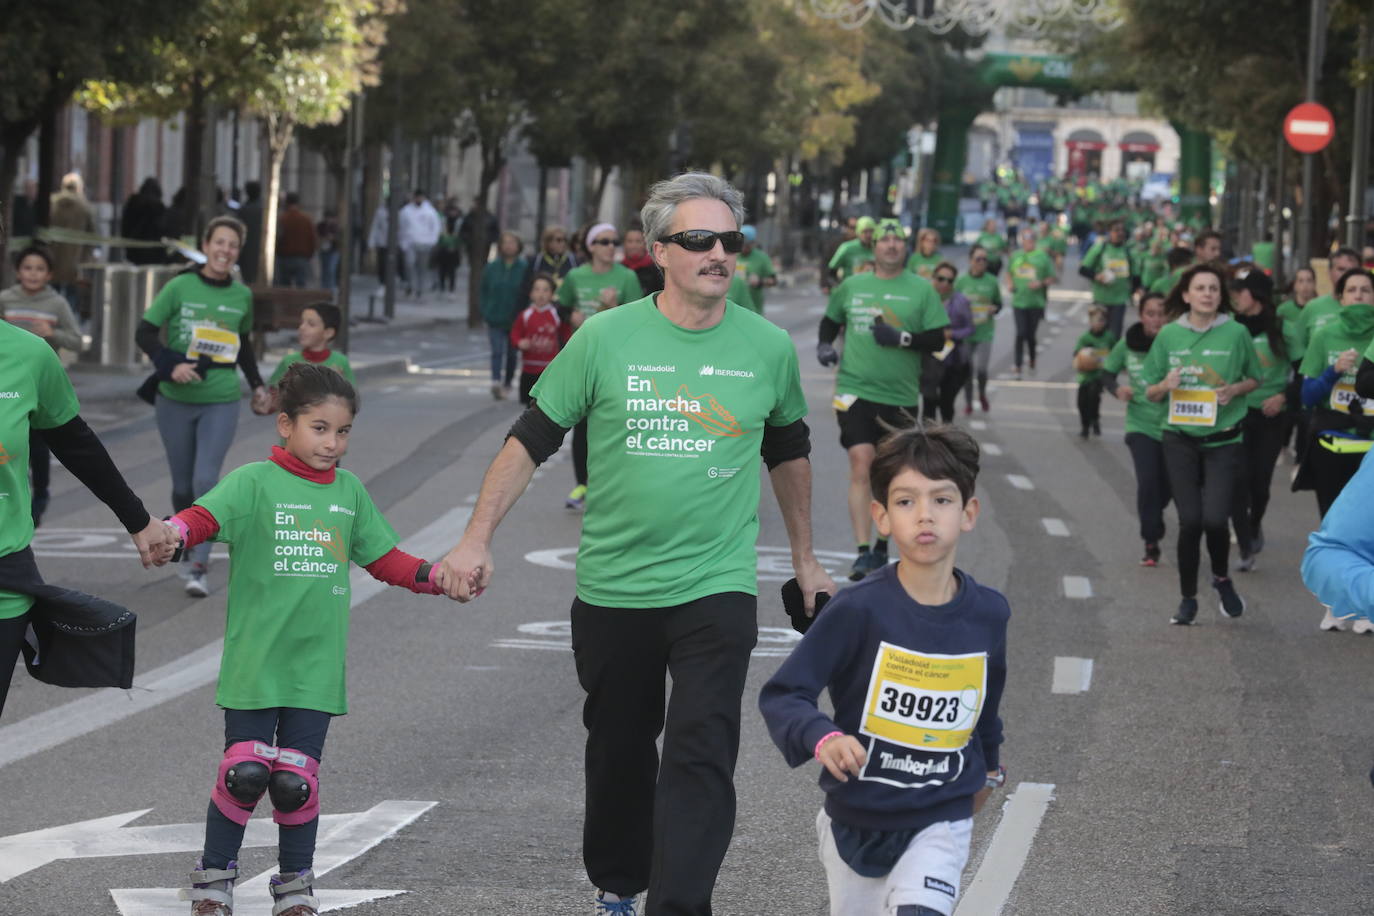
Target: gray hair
x: 664, y: 197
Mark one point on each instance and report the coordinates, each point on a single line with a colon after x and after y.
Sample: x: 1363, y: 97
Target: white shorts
x: 927, y: 874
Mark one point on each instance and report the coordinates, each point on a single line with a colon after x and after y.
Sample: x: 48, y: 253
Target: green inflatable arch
x: 1054, y: 73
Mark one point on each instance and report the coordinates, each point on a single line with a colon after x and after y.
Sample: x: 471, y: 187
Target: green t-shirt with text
x: 1116, y: 260
x: 290, y: 544
x: 204, y: 319
x: 756, y: 263
x: 581, y: 288
x: 335, y: 360
x: 883, y: 375
x: 995, y: 243
x: 1273, y: 377
x: 985, y: 299
x: 1290, y: 314
x: 1142, y: 415
x: 1221, y: 355
x: 1315, y: 315
x: 35, y: 393
x: 675, y: 420
x: 923, y: 265
x: 1025, y: 267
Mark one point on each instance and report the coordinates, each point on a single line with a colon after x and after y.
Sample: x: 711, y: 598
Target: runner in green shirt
x: 1323, y: 309
x: 1290, y: 312
x: 1176, y: 262
x: 889, y: 318
x: 294, y: 525
x: 1028, y: 280
x: 1113, y: 270
x: 852, y: 255
x: 682, y: 392
x: 994, y: 242
x: 319, y: 325
x: 985, y: 298
x: 1090, y: 352
x: 757, y: 268
x: 1143, y: 421
x: 1203, y: 364
x: 926, y: 257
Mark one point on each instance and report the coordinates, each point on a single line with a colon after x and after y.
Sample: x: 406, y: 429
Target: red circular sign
x: 1309, y: 127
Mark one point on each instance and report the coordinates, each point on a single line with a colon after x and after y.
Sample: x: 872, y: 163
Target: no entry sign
x: 1309, y: 127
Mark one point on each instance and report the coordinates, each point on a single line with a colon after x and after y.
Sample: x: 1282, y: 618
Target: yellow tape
x: 1342, y: 446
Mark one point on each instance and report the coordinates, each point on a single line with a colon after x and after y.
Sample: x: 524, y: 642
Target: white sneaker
x: 1333, y: 623
x: 1362, y: 625
x: 196, y: 586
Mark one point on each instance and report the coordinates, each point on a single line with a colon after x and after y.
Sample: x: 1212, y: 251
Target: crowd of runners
x: 1220, y: 373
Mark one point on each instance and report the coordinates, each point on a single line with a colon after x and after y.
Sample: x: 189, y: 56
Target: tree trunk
x: 541, y: 210
x: 279, y: 132
x: 9, y: 169
x: 47, y: 166
x: 192, y: 156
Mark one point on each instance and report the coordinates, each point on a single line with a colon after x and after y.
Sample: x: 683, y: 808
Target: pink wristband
x: 180, y: 526
x: 824, y: 739
x: 434, y: 588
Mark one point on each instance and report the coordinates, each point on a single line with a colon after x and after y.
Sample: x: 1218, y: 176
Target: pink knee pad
x: 295, y: 788
x: 244, y: 773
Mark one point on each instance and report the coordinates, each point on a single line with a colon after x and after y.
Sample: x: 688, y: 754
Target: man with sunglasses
x: 890, y: 317
x: 600, y: 284
x: 685, y: 395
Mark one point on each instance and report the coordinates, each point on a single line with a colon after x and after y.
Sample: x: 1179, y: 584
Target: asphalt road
x: 1218, y: 769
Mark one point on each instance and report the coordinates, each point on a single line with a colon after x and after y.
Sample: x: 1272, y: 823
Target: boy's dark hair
x: 306, y: 385
x: 330, y: 314
x: 939, y: 452
x: 1206, y: 236
x: 36, y: 251
x: 547, y: 278
x: 1178, y: 257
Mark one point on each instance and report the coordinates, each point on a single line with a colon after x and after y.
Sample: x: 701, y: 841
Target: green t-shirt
x: 985, y: 299
x: 1053, y: 243
x: 581, y: 288
x: 35, y: 393
x: 883, y: 375
x: 995, y: 243
x: 1273, y: 377
x: 756, y: 263
x: 847, y: 258
x: 335, y: 360
x: 1221, y: 355
x: 1101, y: 345
x: 675, y: 421
x: 1290, y: 313
x: 1104, y: 257
x: 1352, y: 328
x: 1165, y: 284
x: 923, y: 265
x: 1142, y: 415
x: 738, y: 292
x: 1316, y: 315
x: 290, y: 542
x: 204, y: 319
x: 1263, y: 254
x: 1027, y: 266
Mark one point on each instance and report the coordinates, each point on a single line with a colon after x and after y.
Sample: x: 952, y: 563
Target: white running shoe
x: 1362, y: 625
x: 196, y: 586
x: 1333, y: 623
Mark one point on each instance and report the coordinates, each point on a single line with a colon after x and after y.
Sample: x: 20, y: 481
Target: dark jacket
x: 83, y: 641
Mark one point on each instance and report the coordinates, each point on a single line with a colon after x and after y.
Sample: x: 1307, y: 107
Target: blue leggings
x: 196, y: 437
x: 300, y: 729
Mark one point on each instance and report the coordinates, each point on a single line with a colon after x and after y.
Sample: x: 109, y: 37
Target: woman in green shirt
x: 208, y: 317
x: 1267, y: 419
x: 926, y: 257
x: 995, y: 243
x: 1202, y: 364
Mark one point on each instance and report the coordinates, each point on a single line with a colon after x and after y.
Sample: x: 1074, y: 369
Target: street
x: 1219, y: 769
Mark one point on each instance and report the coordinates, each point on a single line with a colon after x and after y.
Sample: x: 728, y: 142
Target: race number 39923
x: 913, y: 706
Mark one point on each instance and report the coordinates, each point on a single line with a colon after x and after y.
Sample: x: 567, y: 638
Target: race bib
x: 1026, y: 272
x: 1193, y: 407
x: 1343, y: 395
x: 982, y: 314
x: 1118, y: 267
x: 844, y: 401
x: 220, y: 345
x: 923, y: 701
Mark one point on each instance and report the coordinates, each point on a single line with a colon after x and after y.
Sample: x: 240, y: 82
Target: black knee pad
x: 245, y: 782
x: 289, y: 791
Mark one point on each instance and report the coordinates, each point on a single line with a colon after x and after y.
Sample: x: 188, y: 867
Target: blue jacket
x: 918, y: 686
x: 1339, y: 563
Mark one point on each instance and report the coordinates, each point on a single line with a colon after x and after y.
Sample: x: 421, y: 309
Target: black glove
x: 794, y: 603
x: 827, y: 354
x: 888, y: 336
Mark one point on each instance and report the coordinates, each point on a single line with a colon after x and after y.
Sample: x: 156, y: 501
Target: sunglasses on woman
x: 604, y: 242
x: 705, y: 240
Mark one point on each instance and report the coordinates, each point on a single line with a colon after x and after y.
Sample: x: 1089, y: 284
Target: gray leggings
x: 980, y: 355
x: 196, y: 437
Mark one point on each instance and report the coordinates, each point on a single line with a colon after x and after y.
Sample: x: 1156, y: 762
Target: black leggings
x: 1203, y: 480
x: 12, y: 631
x: 1027, y: 320
x: 1152, y: 492
x: 951, y: 380
x: 1089, y: 403
x: 1264, y: 439
x: 1329, y: 471
x: 299, y: 729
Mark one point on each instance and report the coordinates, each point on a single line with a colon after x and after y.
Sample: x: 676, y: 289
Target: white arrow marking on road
x: 347, y: 837
x: 196, y: 669
x: 774, y: 563
x: 1020, y: 482
x: 1309, y: 128
x: 1006, y: 856
x: 556, y: 636
x: 1077, y: 587
x: 1072, y: 675
x: 992, y: 448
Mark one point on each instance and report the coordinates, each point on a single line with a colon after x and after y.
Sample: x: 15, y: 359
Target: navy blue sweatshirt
x: 918, y: 686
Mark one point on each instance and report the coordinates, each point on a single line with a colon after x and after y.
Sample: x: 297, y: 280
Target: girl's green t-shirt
x: 581, y: 288
x: 1101, y: 344
x: 923, y: 265
x: 204, y: 319
x: 985, y: 298
x: 290, y: 544
x: 1142, y: 414
x: 335, y: 360
x: 1221, y: 355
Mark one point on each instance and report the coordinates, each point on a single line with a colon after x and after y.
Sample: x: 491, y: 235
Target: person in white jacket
x: 377, y: 241
x: 419, y: 232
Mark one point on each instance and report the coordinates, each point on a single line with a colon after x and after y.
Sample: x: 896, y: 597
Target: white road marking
x: 1072, y: 675
x: 992, y: 448
x: 774, y: 563
x: 1055, y: 527
x: 60, y: 724
x: 346, y: 841
x: 1021, y: 816
x: 556, y: 636
x: 1020, y: 482
x: 978, y: 424
x: 1077, y: 587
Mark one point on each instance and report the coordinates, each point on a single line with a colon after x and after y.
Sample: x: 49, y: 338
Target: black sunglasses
x: 604, y: 242
x: 705, y: 240
x: 944, y: 278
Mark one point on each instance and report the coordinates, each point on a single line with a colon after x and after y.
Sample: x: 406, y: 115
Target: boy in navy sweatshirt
x: 915, y: 659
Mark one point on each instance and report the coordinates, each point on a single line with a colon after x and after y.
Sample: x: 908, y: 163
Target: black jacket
x: 83, y: 641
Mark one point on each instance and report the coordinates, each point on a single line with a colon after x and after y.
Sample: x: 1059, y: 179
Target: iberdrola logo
x: 4, y: 455
x: 705, y: 410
